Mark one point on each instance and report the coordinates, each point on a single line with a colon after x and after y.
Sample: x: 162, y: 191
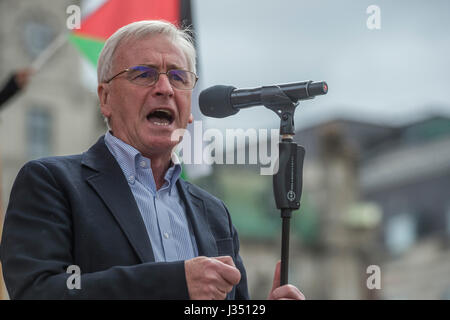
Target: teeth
x: 160, y: 123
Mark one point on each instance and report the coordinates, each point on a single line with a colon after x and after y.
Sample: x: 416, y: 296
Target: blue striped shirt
x: 162, y: 211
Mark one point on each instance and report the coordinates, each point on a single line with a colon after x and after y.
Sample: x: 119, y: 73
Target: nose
x: 163, y: 86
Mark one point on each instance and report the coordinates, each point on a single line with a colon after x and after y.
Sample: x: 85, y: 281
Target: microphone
x: 223, y: 101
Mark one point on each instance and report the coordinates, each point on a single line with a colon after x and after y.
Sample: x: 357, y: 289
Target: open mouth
x: 161, y: 117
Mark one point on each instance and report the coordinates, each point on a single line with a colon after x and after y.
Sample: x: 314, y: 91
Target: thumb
x: 226, y: 259
x: 276, y: 276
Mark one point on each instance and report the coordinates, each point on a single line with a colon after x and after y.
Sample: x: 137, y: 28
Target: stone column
x: 341, y: 266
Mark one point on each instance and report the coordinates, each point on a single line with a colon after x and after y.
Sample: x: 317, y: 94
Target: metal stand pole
x: 285, y: 247
x: 287, y: 182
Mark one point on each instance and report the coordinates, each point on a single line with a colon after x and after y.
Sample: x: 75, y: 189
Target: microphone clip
x: 273, y: 98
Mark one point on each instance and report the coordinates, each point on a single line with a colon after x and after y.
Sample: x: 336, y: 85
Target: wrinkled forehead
x: 155, y: 50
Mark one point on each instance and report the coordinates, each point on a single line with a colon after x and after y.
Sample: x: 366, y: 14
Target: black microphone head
x: 216, y: 102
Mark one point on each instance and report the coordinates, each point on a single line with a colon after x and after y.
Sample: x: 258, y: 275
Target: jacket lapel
x: 197, y: 214
x: 111, y: 186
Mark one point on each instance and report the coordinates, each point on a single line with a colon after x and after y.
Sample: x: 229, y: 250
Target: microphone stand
x: 287, y: 182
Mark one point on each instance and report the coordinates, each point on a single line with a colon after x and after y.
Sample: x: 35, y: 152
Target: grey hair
x: 138, y: 31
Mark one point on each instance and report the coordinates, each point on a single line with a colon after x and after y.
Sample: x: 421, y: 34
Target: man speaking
x: 119, y: 212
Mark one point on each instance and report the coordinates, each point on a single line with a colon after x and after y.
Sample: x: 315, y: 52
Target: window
x: 38, y: 133
x: 38, y: 36
x: 400, y: 232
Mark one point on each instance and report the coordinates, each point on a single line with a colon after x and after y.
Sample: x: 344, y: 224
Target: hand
x: 286, y: 292
x: 22, y: 77
x: 211, y: 278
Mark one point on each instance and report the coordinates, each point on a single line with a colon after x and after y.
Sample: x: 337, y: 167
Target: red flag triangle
x: 114, y: 14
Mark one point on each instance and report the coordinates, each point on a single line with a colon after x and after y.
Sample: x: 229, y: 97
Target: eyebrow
x: 169, y: 67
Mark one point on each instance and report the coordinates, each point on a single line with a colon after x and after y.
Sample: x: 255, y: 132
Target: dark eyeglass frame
x: 157, y: 77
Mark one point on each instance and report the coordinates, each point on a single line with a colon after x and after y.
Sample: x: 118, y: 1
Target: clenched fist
x: 211, y: 278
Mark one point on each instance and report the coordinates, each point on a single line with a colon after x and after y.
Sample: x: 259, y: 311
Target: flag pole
x: 49, y: 51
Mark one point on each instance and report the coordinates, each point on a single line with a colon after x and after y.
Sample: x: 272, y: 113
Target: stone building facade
x: 56, y: 114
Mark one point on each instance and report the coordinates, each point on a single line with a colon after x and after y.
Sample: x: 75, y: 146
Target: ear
x: 103, y: 96
x: 191, y: 118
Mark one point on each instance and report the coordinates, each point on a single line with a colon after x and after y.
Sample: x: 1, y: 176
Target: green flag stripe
x: 89, y: 47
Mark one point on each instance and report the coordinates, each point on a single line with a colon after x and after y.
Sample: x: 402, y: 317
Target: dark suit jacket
x: 79, y: 210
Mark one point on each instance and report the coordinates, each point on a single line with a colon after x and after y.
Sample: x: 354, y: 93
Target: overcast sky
x: 394, y: 74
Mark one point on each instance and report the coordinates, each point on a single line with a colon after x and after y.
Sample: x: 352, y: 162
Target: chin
x: 160, y: 145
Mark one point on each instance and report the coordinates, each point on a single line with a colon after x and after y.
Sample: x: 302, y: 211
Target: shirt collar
x: 129, y: 158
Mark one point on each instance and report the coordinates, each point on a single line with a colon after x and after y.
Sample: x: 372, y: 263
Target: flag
x: 114, y: 14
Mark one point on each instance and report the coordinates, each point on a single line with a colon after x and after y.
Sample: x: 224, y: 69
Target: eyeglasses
x: 147, y: 76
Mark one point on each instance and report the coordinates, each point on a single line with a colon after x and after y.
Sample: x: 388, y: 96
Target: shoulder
x: 70, y: 162
x: 54, y: 163
x: 50, y: 168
